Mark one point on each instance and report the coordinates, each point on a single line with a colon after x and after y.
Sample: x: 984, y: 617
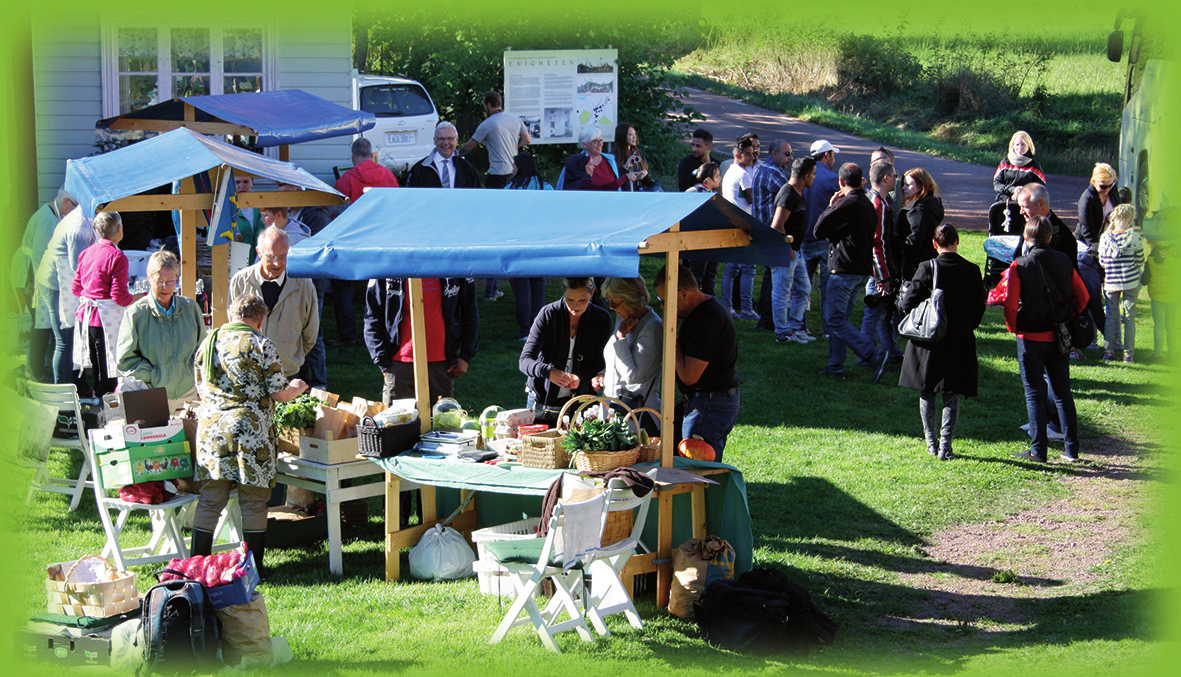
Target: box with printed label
x: 44, y: 646
x: 144, y: 464
x: 134, y: 435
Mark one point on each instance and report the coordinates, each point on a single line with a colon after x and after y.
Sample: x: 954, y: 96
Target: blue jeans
x: 745, y: 273
x: 879, y: 322
x: 815, y: 257
x: 712, y: 419
x: 1036, y: 358
x: 801, y: 292
x: 1121, y: 314
x: 840, y: 299
x: 63, y: 342
x: 529, y: 294
x: 781, y: 290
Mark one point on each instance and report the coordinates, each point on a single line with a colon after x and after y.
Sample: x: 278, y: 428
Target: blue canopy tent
x: 410, y: 232
x: 276, y: 118
x: 113, y: 182
x: 423, y: 232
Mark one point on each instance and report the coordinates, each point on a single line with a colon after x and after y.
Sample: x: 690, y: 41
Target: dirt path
x: 966, y: 188
x: 1059, y: 549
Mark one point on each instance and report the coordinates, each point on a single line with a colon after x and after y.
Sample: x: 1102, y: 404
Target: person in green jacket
x: 160, y: 334
x: 249, y: 222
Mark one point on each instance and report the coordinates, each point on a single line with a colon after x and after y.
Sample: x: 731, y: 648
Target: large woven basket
x: 648, y: 453
x: 288, y: 442
x: 374, y: 441
x: 544, y: 449
x: 602, y: 461
x: 618, y: 527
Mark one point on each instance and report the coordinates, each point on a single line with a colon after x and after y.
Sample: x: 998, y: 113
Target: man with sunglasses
x: 293, y: 314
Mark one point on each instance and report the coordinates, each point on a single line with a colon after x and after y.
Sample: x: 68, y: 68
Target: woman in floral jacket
x: 239, y: 377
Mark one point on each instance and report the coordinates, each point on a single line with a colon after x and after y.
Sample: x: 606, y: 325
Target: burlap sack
x: 695, y: 564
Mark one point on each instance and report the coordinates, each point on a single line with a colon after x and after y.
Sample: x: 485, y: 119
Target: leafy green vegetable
x: 298, y: 413
x: 598, y: 435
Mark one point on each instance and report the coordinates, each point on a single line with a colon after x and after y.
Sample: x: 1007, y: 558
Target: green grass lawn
x: 842, y: 495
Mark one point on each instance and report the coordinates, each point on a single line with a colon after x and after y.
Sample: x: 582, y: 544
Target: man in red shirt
x: 452, y: 333
x: 365, y: 173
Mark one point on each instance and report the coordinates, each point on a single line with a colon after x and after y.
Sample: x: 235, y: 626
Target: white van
x: 406, y: 118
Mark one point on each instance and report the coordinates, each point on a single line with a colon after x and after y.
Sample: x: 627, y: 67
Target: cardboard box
x: 238, y: 592
x: 61, y: 649
x: 146, y: 407
x: 328, y: 451
x: 144, y: 464
x: 172, y: 431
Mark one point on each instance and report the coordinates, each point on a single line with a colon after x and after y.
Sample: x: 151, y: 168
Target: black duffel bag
x: 762, y: 612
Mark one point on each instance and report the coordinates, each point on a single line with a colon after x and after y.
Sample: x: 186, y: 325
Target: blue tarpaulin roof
x: 280, y: 117
x: 425, y: 232
x: 94, y: 181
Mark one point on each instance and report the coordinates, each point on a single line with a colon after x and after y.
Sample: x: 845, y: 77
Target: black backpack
x: 764, y: 613
x: 181, y: 631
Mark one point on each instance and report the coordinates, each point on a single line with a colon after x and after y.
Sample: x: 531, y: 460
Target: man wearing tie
x: 443, y: 168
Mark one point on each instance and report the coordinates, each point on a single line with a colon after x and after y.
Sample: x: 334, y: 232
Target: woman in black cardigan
x: 947, y: 366
x: 1096, y: 202
x: 564, y: 350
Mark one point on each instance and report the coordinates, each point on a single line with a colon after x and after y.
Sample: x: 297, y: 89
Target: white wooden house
x: 99, y: 63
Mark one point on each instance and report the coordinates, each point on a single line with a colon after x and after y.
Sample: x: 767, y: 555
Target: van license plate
x: 394, y: 138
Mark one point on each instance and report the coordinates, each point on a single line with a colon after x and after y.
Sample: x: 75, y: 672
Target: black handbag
x: 927, y: 321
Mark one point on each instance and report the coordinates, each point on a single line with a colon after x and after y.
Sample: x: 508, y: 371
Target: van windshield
x: 392, y: 101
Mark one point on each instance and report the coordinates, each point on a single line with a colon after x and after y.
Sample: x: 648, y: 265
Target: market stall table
x: 722, y: 512
x: 322, y: 478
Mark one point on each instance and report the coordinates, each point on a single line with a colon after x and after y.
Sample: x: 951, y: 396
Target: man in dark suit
x: 443, y: 168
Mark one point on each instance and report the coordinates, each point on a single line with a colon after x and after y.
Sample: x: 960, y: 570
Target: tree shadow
x: 813, y: 507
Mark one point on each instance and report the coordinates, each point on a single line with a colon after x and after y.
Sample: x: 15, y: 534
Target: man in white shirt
x: 736, y: 188
x: 503, y: 134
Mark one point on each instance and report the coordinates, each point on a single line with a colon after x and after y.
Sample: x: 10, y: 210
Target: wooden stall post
x: 188, y: 253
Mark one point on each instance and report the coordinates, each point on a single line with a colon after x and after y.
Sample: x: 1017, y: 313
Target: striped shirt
x: 1122, y: 257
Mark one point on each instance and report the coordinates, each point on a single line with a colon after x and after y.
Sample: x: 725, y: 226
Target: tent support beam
x: 672, y: 272
x: 678, y: 241
x: 189, y: 201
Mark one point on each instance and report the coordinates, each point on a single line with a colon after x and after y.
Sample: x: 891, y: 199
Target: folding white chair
x: 575, y: 530
x: 65, y: 398
x: 608, y: 595
x: 167, y: 540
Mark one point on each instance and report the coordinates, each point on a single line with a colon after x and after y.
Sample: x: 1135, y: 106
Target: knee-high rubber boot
x: 202, y: 542
x: 256, y: 542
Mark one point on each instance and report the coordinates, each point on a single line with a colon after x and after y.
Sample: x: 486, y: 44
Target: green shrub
x: 872, y: 66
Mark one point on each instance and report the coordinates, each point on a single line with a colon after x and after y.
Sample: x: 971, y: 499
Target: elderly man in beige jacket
x: 293, y: 320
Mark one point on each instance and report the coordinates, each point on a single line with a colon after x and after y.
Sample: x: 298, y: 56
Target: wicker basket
x: 544, y: 450
x: 649, y: 453
x: 601, y: 461
x: 618, y: 527
x: 374, y: 441
x: 289, y: 440
x: 97, y: 600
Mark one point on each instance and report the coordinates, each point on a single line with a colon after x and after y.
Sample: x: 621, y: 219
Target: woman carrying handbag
x: 947, y: 365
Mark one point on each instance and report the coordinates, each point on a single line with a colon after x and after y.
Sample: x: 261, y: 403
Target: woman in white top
x: 633, y: 353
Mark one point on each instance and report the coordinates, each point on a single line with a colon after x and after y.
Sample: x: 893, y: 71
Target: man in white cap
x: 815, y: 251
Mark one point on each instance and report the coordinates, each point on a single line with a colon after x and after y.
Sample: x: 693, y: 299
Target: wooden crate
x: 328, y: 451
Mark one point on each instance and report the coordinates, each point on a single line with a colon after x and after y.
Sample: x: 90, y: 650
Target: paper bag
x: 246, y: 632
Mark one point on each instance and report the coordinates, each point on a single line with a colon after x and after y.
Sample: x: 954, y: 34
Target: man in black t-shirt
x: 791, y: 218
x: 707, y: 363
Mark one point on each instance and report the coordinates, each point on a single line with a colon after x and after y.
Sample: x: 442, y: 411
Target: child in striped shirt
x: 1121, y: 253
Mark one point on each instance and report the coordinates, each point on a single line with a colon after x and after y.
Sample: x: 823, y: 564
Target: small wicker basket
x: 649, y: 453
x: 544, y: 450
x: 601, y: 461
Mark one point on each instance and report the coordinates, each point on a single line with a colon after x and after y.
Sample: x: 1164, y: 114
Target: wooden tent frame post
x: 670, y: 243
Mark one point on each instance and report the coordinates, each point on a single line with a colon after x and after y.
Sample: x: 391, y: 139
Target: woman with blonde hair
x: 1019, y: 168
x: 921, y: 215
x: 632, y: 356
x: 1121, y: 253
x: 1095, y: 204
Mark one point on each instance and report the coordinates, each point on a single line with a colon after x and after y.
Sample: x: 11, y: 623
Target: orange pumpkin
x: 696, y: 449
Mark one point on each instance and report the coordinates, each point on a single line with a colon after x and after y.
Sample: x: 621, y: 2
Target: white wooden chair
x: 167, y: 539
x: 608, y: 595
x: 575, y: 530
x: 64, y: 397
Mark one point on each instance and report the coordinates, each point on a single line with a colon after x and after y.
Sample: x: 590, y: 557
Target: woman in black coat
x: 947, y: 366
x: 564, y: 350
x: 1096, y: 202
x: 921, y: 215
x: 1019, y: 168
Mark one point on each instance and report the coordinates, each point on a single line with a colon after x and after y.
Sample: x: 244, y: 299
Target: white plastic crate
x: 513, y: 531
x: 493, y: 577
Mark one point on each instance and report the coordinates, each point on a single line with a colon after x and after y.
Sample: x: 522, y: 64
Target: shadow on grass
x: 813, y: 507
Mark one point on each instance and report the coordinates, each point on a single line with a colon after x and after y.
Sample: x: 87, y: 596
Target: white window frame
x: 110, y: 56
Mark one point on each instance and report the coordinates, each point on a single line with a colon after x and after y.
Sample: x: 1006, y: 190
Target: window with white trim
x: 145, y: 65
